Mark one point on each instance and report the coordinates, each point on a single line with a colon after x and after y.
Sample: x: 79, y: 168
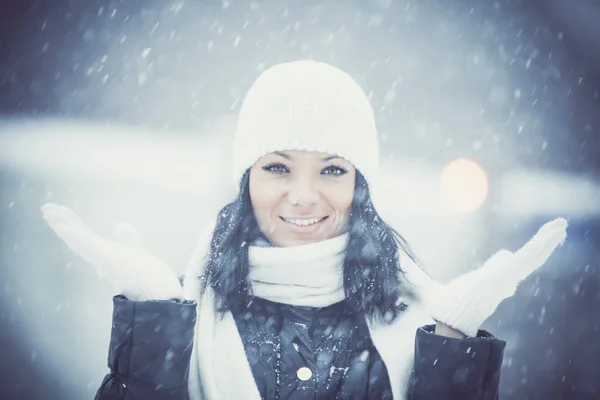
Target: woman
x: 300, y: 289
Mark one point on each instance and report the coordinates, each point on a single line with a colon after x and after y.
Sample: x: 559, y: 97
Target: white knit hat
x: 306, y: 105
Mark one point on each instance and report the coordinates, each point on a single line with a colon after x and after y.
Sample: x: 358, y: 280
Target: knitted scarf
x: 307, y: 275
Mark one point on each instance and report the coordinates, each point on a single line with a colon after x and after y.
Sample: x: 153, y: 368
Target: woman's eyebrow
x: 282, y: 154
x: 289, y: 157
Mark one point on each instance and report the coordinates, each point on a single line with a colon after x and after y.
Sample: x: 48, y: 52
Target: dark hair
x: 372, y: 270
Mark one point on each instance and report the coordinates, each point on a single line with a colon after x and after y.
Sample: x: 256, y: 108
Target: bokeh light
x: 464, y: 185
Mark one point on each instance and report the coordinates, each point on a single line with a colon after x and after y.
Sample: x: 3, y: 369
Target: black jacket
x: 151, y: 346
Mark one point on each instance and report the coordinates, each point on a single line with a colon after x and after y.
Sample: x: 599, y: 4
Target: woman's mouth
x: 303, y: 221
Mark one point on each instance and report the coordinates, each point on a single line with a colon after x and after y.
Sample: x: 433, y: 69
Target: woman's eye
x: 275, y: 168
x: 334, y: 170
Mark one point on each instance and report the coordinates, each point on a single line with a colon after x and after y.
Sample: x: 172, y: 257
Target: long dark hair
x: 372, y: 271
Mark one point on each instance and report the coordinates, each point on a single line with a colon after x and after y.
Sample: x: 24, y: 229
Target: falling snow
x: 511, y: 85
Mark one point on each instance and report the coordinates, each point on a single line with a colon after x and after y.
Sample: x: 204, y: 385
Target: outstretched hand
x: 465, y: 302
x: 134, y: 271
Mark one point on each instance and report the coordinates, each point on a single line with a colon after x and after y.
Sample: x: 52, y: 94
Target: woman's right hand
x: 135, y: 272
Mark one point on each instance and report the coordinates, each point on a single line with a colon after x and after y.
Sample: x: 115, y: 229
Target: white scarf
x: 308, y: 275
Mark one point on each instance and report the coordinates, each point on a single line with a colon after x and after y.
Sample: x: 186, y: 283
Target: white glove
x: 465, y: 302
x: 133, y: 271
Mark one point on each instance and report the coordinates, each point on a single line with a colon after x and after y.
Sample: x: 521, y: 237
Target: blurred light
x: 464, y: 185
x: 529, y: 192
x: 80, y: 149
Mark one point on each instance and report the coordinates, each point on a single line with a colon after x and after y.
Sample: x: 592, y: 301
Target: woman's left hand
x: 465, y: 302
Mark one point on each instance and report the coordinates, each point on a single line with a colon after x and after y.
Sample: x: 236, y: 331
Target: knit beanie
x: 306, y: 105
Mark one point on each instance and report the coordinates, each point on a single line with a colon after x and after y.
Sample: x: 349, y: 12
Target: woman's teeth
x: 303, y: 222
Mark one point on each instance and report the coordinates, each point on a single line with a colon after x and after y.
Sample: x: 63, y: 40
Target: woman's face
x: 301, y: 197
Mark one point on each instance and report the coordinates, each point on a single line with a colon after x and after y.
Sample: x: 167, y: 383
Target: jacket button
x: 304, y: 374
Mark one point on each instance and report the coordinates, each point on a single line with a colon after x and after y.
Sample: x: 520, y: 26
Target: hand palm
x: 126, y: 263
x: 466, y: 301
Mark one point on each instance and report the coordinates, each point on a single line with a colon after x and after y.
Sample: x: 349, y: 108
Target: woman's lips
x: 303, y: 221
x: 303, y: 225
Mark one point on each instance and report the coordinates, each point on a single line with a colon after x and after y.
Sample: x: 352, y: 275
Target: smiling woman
x: 299, y: 289
x: 301, y: 197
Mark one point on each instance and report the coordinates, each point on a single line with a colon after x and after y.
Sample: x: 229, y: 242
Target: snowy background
x: 124, y: 110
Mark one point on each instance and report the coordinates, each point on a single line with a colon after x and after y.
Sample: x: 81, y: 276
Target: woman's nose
x: 303, y: 192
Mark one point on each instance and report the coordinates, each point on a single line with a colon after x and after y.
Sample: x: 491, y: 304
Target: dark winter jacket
x: 294, y: 353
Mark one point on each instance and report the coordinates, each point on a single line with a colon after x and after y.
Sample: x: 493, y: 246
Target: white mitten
x: 134, y: 272
x: 465, y: 302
